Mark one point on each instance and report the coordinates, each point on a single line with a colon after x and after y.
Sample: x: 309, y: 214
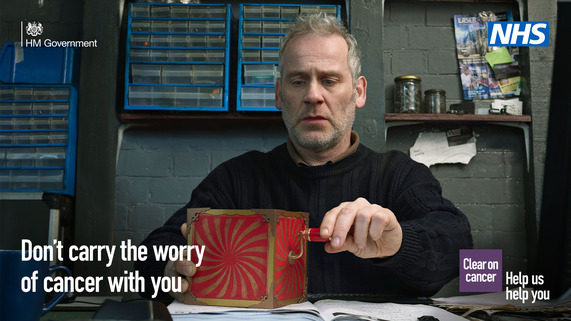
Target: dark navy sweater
x: 433, y: 228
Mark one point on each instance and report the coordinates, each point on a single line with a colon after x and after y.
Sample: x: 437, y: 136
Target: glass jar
x: 408, y: 94
x: 435, y: 101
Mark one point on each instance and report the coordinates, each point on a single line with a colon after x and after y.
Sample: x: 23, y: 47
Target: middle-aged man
x: 391, y: 230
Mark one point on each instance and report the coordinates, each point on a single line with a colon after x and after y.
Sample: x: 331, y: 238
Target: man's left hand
x: 364, y: 229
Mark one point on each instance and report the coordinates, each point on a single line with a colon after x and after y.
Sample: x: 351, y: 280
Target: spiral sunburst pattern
x: 235, y: 259
x: 289, y: 278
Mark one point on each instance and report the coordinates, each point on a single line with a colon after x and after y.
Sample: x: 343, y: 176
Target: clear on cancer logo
x: 34, y: 29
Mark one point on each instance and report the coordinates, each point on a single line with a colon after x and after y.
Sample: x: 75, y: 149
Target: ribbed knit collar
x: 350, y: 151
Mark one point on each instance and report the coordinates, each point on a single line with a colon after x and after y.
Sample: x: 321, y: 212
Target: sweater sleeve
x: 434, y: 230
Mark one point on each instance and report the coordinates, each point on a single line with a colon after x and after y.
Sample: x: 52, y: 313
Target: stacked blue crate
x: 262, y: 28
x: 177, y: 57
x: 38, y: 127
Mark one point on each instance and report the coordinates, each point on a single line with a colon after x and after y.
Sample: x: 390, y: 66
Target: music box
x: 252, y: 258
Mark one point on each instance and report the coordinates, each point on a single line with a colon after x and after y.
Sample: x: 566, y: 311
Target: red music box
x: 252, y: 258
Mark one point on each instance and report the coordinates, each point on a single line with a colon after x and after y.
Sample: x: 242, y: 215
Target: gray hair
x: 323, y: 24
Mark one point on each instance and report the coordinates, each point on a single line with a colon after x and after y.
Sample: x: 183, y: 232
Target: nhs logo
x: 518, y: 33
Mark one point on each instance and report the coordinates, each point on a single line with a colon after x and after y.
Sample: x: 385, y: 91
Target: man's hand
x: 180, y: 269
x: 364, y: 229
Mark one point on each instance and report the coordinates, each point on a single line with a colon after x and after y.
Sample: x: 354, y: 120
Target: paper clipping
x: 445, y: 147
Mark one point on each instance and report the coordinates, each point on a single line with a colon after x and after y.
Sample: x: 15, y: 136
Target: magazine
x: 476, y: 74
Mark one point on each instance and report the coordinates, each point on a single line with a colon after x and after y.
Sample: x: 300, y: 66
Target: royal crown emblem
x: 34, y: 29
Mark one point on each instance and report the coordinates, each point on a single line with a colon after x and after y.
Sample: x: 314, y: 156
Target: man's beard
x: 326, y: 138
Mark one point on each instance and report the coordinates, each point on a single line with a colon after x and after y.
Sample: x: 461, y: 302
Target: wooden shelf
x: 201, y: 119
x: 456, y: 118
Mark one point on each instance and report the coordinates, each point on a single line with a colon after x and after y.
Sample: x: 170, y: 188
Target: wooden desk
x: 68, y: 315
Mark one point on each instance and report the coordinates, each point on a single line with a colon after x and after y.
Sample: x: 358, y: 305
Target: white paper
x: 248, y: 316
x: 383, y: 311
x: 512, y: 106
x: 324, y: 309
x: 432, y: 148
x: 498, y: 299
x: 177, y: 307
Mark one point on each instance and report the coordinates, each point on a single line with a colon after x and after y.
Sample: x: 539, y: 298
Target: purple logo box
x: 481, y: 270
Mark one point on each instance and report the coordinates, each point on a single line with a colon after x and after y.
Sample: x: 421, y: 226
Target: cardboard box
x: 249, y: 258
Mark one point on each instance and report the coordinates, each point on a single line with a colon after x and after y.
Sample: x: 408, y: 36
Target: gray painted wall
x: 157, y: 169
x: 415, y: 38
x: 490, y: 190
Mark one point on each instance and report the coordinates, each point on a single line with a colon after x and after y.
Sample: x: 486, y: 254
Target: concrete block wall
x: 158, y: 169
x: 418, y: 39
x: 490, y: 190
x: 540, y: 82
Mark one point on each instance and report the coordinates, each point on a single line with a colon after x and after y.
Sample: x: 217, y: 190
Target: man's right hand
x: 180, y: 269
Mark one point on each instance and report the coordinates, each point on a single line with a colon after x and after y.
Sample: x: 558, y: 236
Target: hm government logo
x: 35, y: 29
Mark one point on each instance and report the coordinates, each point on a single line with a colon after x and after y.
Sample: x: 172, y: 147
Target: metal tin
x: 407, y: 94
x: 435, y: 101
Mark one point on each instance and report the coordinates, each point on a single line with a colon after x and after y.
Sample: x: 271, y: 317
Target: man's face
x: 316, y: 92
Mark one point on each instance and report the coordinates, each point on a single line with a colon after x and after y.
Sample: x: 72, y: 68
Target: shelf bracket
x: 523, y: 126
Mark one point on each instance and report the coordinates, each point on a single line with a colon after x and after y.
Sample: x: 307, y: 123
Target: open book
x: 321, y: 310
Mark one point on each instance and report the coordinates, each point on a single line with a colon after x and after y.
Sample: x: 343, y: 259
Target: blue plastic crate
x: 178, y: 57
x: 38, y: 65
x: 38, y: 138
x: 261, y: 28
